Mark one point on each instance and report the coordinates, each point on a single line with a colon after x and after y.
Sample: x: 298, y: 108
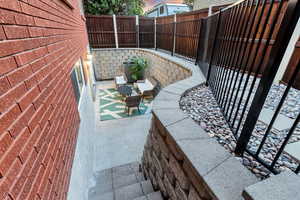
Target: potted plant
x: 135, y: 68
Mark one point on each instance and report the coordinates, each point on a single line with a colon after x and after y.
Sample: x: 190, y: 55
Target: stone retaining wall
x: 108, y: 63
x: 179, y: 157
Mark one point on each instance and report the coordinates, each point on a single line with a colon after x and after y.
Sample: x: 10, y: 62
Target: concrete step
x: 124, y: 182
x: 151, y: 196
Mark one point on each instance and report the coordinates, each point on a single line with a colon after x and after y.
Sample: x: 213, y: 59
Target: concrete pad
x: 122, y: 181
x: 155, y: 196
x: 120, y: 141
x: 293, y: 149
x: 106, y: 196
x: 122, y: 170
x: 280, y: 187
x: 281, y: 123
x: 129, y: 192
x: 141, y: 198
x: 103, y: 182
x: 82, y: 170
x: 147, y: 187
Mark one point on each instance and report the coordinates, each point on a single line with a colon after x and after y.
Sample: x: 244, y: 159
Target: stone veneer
x: 108, y: 63
x: 179, y: 157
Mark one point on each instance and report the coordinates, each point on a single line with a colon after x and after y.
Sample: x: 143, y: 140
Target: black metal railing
x: 250, y: 39
x: 239, y: 50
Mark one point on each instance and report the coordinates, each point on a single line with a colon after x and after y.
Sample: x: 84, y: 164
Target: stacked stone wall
x: 108, y: 63
x: 168, y: 169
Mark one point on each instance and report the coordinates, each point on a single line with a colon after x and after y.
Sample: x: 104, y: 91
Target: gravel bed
x: 200, y: 104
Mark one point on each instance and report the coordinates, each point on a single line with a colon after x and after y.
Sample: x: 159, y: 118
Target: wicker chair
x: 133, y: 101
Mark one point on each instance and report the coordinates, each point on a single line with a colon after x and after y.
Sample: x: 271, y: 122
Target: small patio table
x: 125, y: 90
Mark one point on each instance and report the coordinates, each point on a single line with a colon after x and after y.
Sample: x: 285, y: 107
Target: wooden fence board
x: 100, y: 31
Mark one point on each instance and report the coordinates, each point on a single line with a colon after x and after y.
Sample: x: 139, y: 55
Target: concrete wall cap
x: 280, y: 187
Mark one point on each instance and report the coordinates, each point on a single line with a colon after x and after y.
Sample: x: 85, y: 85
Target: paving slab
x: 105, y: 196
x: 281, y: 123
x: 169, y: 116
x: 141, y: 198
x: 140, y: 177
x: 280, y: 187
x: 121, y: 181
x: 103, y: 182
x: 186, y: 129
x: 129, y: 192
x: 229, y: 179
x: 147, y: 187
x: 155, y: 196
x: 169, y: 104
x: 293, y: 149
x: 122, y: 170
x: 204, y: 154
x: 167, y: 96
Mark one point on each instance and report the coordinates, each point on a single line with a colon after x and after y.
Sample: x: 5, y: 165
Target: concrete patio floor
x: 104, y: 144
x: 120, y: 141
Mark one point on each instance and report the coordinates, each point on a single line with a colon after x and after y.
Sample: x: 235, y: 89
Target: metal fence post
x: 155, y: 30
x: 199, y: 38
x: 174, y: 34
x: 137, y: 31
x: 214, y: 46
x: 116, y: 31
x: 281, y: 43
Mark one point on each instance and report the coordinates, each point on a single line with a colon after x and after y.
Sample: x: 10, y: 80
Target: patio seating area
x: 101, y: 101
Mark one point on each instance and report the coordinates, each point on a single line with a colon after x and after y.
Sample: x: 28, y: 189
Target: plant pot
x: 128, y: 73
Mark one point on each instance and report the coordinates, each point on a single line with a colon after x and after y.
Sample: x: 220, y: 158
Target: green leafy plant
x: 190, y: 3
x: 117, y: 7
x: 137, y: 67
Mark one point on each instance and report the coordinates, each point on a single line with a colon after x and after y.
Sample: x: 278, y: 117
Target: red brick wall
x: 40, y: 40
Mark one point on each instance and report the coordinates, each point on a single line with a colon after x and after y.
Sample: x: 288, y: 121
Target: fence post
x: 199, y: 38
x: 286, y: 30
x: 137, y: 31
x: 116, y: 31
x: 174, y: 34
x: 214, y: 46
x: 155, y: 33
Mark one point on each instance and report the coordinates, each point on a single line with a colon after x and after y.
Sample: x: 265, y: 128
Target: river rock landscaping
x: 200, y: 104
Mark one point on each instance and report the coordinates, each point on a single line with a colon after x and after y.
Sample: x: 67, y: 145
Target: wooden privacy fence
x: 191, y: 35
x: 101, y: 31
x: 146, y: 32
x: 131, y: 31
x: 187, y: 37
x: 127, y: 31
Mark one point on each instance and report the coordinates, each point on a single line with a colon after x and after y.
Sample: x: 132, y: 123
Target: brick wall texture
x: 40, y: 40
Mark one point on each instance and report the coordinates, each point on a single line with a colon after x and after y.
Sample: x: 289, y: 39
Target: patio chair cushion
x: 146, y: 86
x: 120, y: 80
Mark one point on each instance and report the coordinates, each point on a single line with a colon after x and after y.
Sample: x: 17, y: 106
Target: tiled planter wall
x: 108, y: 63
